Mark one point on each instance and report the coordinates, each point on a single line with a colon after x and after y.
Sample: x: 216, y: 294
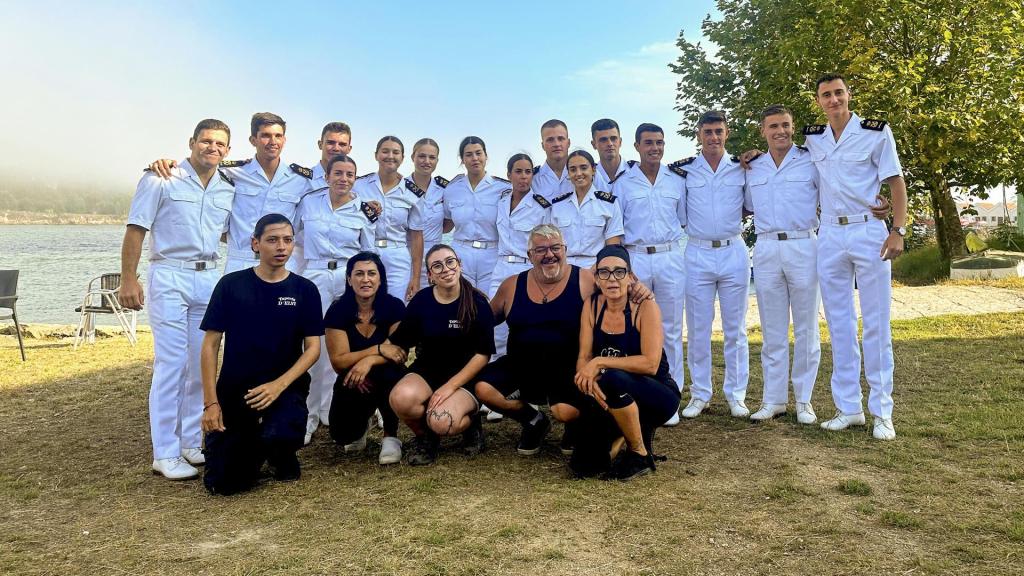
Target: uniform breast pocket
x: 562, y: 220
x: 596, y: 221
x: 461, y: 211
x: 282, y: 203
x: 184, y: 206
x: 856, y: 157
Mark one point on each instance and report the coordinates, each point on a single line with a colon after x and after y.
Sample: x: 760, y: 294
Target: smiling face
x: 834, y: 98
x: 475, y: 159
x: 269, y: 142
x: 555, y: 141
x: 607, y: 143
x: 581, y: 173
x: 443, y: 268
x: 651, y: 147
x: 617, y: 282
x: 777, y: 130
x: 365, y: 279
x: 521, y: 176
x: 209, y: 149
x: 275, y: 245
x: 333, y: 144
x: 341, y: 177
x: 389, y: 156
x: 712, y: 137
x: 547, y: 254
x: 424, y: 159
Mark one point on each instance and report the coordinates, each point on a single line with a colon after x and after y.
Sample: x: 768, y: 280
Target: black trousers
x: 352, y: 408
x: 235, y: 456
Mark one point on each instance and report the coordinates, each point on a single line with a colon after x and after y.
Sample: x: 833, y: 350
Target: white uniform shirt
x: 329, y: 234
x: 587, y: 225
x: 319, y: 179
x: 714, y: 200
x: 548, y: 184
x: 603, y: 180
x: 185, y: 221
x: 651, y: 214
x: 475, y: 214
x: 430, y: 208
x: 783, y: 198
x: 256, y: 197
x: 399, y: 205
x: 853, y: 169
x: 514, y: 228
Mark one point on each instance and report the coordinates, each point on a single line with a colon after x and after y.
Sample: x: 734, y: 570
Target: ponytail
x: 467, y: 303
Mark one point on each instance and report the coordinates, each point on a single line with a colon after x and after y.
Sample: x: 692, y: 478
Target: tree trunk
x: 948, y: 232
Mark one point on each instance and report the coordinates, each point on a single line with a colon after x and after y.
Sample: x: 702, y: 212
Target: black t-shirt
x: 386, y: 311
x: 264, y: 324
x: 442, y: 346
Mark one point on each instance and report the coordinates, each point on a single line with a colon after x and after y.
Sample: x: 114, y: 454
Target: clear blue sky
x: 95, y: 90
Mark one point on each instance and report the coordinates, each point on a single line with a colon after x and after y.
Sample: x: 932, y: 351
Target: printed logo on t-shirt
x: 611, y: 352
x: 287, y: 301
x: 454, y: 325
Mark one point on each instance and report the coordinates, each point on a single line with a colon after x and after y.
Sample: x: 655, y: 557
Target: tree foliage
x: 947, y: 75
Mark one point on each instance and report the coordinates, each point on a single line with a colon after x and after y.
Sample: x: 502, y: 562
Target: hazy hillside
x: 63, y: 199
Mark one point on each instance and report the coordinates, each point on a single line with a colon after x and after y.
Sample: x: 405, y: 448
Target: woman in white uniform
x: 430, y: 190
x: 588, y: 218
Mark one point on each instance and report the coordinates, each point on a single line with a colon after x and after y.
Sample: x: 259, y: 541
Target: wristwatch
x: 901, y: 230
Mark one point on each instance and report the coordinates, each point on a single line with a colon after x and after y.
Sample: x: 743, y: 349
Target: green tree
x: 947, y: 75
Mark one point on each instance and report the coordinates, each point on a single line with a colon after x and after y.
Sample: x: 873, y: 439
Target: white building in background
x: 991, y: 212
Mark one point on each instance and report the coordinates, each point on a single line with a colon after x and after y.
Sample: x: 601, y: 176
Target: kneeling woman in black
x: 452, y: 328
x: 622, y: 366
x: 358, y: 325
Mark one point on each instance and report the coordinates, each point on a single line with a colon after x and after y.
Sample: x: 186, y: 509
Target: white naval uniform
x: 716, y: 264
x: 431, y: 209
x: 603, y: 180
x: 475, y: 215
x: 256, y: 197
x: 399, y: 214
x: 329, y: 237
x: 319, y: 179
x: 586, y: 226
x: 784, y: 200
x: 185, y: 223
x: 653, y: 217
x: 850, y: 240
x: 548, y: 184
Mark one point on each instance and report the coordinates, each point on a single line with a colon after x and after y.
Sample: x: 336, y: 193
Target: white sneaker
x: 694, y: 408
x: 805, y: 413
x: 193, y: 456
x: 307, y: 439
x: 883, y: 429
x: 493, y: 416
x: 739, y: 410
x: 390, y: 450
x: 768, y: 411
x: 843, y: 421
x: 174, y: 468
x: 673, y: 421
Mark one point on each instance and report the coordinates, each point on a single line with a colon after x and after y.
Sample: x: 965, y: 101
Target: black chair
x: 9, y: 299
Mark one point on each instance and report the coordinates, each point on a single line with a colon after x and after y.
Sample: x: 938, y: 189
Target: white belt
x: 246, y: 254
x: 652, y: 248
x: 197, y: 265
x: 480, y: 244
x: 714, y: 243
x: 850, y: 219
x: 795, y: 235
x: 514, y: 259
x: 325, y: 264
x: 386, y: 243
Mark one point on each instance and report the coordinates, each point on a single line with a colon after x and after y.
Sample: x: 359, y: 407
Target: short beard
x: 551, y: 279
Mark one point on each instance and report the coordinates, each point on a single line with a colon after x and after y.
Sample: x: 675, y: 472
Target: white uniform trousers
x: 724, y: 272
x: 665, y: 274
x: 786, y: 282
x: 331, y: 285
x: 398, y: 264
x: 502, y: 270
x: 477, y: 263
x: 240, y: 260
x: 177, y: 303
x: 584, y: 262
x: 846, y: 254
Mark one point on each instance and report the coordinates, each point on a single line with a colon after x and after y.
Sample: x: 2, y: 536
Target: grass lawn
x: 77, y: 495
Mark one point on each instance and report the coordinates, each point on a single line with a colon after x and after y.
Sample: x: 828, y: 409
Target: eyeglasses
x: 555, y: 249
x: 450, y: 263
x: 607, y: 273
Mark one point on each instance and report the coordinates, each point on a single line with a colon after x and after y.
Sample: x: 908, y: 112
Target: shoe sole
x: 529, y: 452
x: 388, y: 462
x: 159, y: 473
x: 638, y: 474
x: 772, y: 417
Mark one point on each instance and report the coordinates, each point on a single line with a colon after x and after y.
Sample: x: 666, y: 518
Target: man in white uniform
x: 335, y: 139
x: 186, y: 215
x: 854, y: 158
x: 606, y: 140
x: 551, y: 178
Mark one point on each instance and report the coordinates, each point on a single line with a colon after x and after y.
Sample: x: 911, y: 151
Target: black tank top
x: 546, y: 332
x: 624, y: 344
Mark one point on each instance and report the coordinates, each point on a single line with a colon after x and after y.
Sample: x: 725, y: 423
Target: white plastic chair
x: 101, y: 298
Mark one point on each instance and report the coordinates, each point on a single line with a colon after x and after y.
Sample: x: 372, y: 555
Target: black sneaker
x: 473, y: 441
x: 423, y: 450
x: 630, y: 465
x: 533, y: 436
x: 568, y: 443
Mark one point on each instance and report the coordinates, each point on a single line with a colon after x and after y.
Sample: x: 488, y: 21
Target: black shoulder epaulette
x: 814, y: 129
x: 441, y: 181
x: 414, y: 188
x: 677, y: 166
x: 147, y: 169
x: 225, y: 177
x: 500, y: 179
x: 877, y: 125
x: 536, y: 169
x: 606, y: 196
x: 561, y: 197
x: 505, y: 192
x: 301, y: 171
x: 734, y: 159
x: 234, y: 163
x: 318, y: 190
x: 629, y: 164
x: 542, y: 201
x: 804, y: 148
x: 368, y: 211
x: 365, y: 175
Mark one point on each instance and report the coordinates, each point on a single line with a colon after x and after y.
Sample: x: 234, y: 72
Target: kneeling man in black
x: 358, y: 325
x: 255, y: 412
x: 623, y: 369
x: 542, y: 308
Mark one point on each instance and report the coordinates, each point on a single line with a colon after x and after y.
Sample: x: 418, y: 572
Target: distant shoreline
x: 8, y: 217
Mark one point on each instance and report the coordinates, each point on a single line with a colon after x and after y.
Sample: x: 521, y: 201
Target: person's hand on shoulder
x: 162, y: 167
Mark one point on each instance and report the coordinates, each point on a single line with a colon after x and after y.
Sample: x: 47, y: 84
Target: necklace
x: 544, y: 293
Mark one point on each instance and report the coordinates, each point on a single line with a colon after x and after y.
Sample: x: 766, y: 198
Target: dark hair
x: 604, y: 124
x: 425, y: 142
x: 261, y: 119
x: 390, y: 139
x: 828, y: 78
x: 211, y: 124
x: 341, y: 158
x: 773, y: 110
x: 582, y: 154
x: 467, y: 303
x: 648, y: 127
x: 270, y: 220
x: 347, y: 302
x: 516, y: 158
x: 615, y: 250
x: 711, y: 117
x: 471, y: 140
x: 336, y: 127
x: 553, y: 123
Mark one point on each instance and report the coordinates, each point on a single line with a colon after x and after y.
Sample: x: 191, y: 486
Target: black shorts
x: 518, y: 380
x: 436, y: 378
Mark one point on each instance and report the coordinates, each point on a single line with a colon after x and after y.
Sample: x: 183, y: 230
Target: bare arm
x: 264, y: 395
x: 503, y: 299
x: 131, y: 294
x: 652, y: 340
x: 213, y: 419
x: 447, y: 226
x: 415, y: 238
x: 893, y: 245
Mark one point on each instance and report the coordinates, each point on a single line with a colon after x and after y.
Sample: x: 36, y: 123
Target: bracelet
x: 379, y: 353
x: 214, y: 403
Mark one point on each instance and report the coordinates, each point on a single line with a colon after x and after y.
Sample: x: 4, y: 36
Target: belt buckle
x: 200, y: 266
x: 716, y: 243
x: 477, y: 244
x: 652, y: 249
x: 332, y: 264
x: 382, y: 243
x: 783, y: 236
x: 843, y: 220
